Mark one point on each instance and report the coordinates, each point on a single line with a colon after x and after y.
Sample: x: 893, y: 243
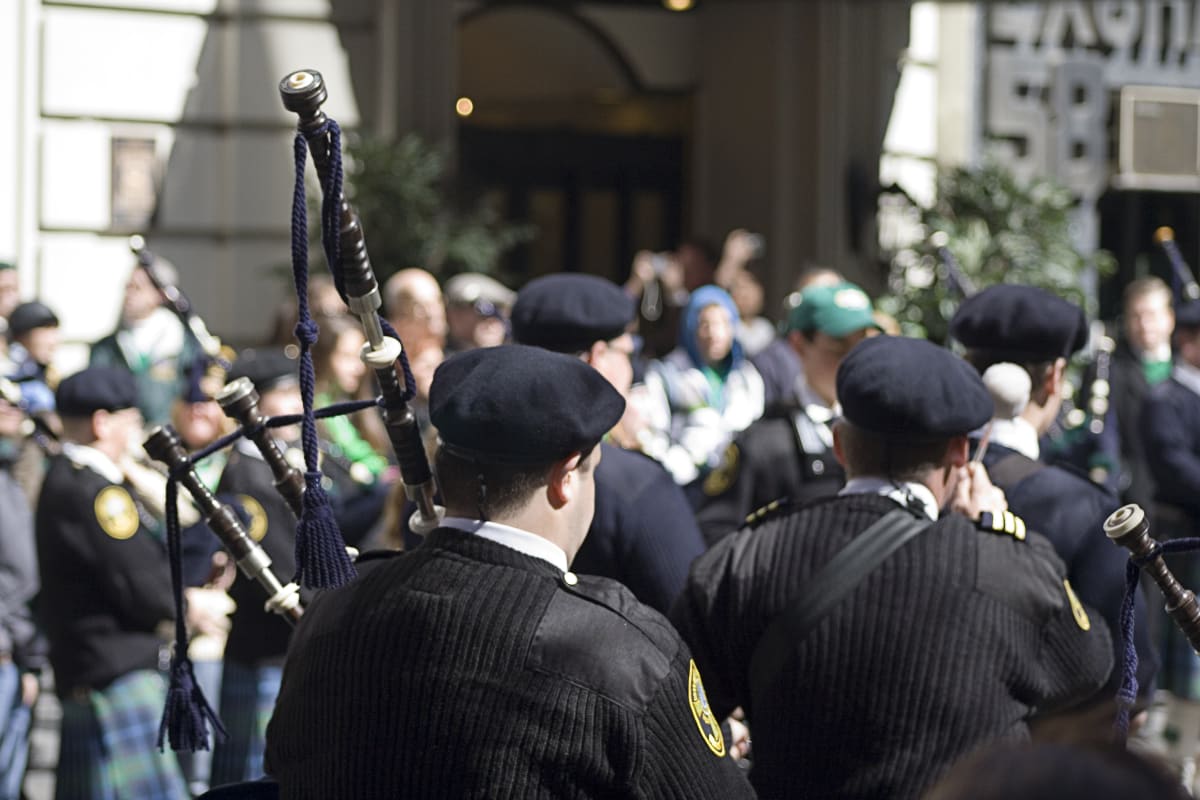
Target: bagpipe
x: 1129, y: 528
x: 1183, y: 282
x: 321, y: 556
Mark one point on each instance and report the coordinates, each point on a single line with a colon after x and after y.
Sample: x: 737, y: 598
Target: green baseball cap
x: 836, y: 311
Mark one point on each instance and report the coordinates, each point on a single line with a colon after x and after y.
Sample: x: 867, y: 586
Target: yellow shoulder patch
x: 116, y: 512
x: 709, y: 727
x: 258, y: 517
x: 721, y: 478
x: 1077, y: 609
x: 1004, y: 522
x: 760, y: 514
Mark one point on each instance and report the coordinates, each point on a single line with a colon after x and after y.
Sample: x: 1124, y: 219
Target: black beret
x: 911, y: 390
x: 267, y: 369
x: 520, y: 405
x: 569, y: 312
x: 28, y: 316
x: 1188, y: 315
x: 1020, y: 323
x: 96, y: 389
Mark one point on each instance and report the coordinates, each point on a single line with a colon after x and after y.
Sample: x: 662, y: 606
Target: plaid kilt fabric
x: 109, y: 745
x: 247, y: 701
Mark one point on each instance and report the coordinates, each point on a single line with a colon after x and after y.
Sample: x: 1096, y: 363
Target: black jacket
x: 465, y: 669
x: 644, y: 534
x: 106, y: 583
x: 952, y: 642
x: 779, y: 457
x: 1070, y: 510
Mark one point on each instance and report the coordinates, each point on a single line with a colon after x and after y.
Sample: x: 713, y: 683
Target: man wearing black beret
x: 106, y: 600
x: 1170, y: 427
x: 477, y: 665
x: 932, y: 632
x: 1038, y: 332
x: 643, y: 534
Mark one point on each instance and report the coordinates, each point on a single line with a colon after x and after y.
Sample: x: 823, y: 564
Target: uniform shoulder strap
x: 846, y: 570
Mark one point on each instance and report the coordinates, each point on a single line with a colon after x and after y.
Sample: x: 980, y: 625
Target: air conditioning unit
x: 1159, y: 139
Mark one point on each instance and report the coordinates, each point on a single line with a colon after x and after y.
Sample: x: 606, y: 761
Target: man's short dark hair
x: 868, y: 453
x: 495, y: 490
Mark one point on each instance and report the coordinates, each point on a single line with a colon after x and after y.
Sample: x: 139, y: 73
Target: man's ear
x: 958, y: 451
x: 1051, y: 382
x: 592, y: 355
x: 1057, y: 375
x: 100, y: 424
x: 563, y: 482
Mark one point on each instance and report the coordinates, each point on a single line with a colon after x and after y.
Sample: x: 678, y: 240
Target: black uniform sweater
x: 954, y: 640
x: 466, y: 669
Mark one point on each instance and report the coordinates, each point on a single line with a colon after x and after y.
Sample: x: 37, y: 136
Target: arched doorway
x: 564, y: 134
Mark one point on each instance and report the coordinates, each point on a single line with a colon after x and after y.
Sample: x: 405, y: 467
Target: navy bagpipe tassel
x: 187, y: 714
x: 321, y: 558
x: 320, y: 550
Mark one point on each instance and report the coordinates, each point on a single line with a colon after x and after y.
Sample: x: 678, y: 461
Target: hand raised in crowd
x: 975, y: 493
x: 649, y: 266
x: 741, y: 247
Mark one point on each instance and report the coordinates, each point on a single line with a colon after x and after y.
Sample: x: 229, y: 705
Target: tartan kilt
x: 247, y: 701
x: 109, y: 747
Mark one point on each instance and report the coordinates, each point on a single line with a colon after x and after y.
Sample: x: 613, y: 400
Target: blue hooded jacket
x: 701, y: 299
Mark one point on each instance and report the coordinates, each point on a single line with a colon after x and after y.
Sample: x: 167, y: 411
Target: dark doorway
x: 595, y: 199
x: 559, y: 129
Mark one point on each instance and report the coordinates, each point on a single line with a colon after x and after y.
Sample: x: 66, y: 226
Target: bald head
x: 414, y: 306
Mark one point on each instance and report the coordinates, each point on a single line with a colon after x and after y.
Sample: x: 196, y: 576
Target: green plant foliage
x: 999, y: 230
x: 410, y: 218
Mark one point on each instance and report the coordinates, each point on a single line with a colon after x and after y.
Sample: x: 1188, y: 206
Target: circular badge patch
x: 258, y: 517
x: 710, y: 729
x: 1081, y: 617
x: 116, y: 512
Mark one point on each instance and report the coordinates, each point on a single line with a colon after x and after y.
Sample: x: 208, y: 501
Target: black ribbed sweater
x: 953, y: 641
x: 466, y: 669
